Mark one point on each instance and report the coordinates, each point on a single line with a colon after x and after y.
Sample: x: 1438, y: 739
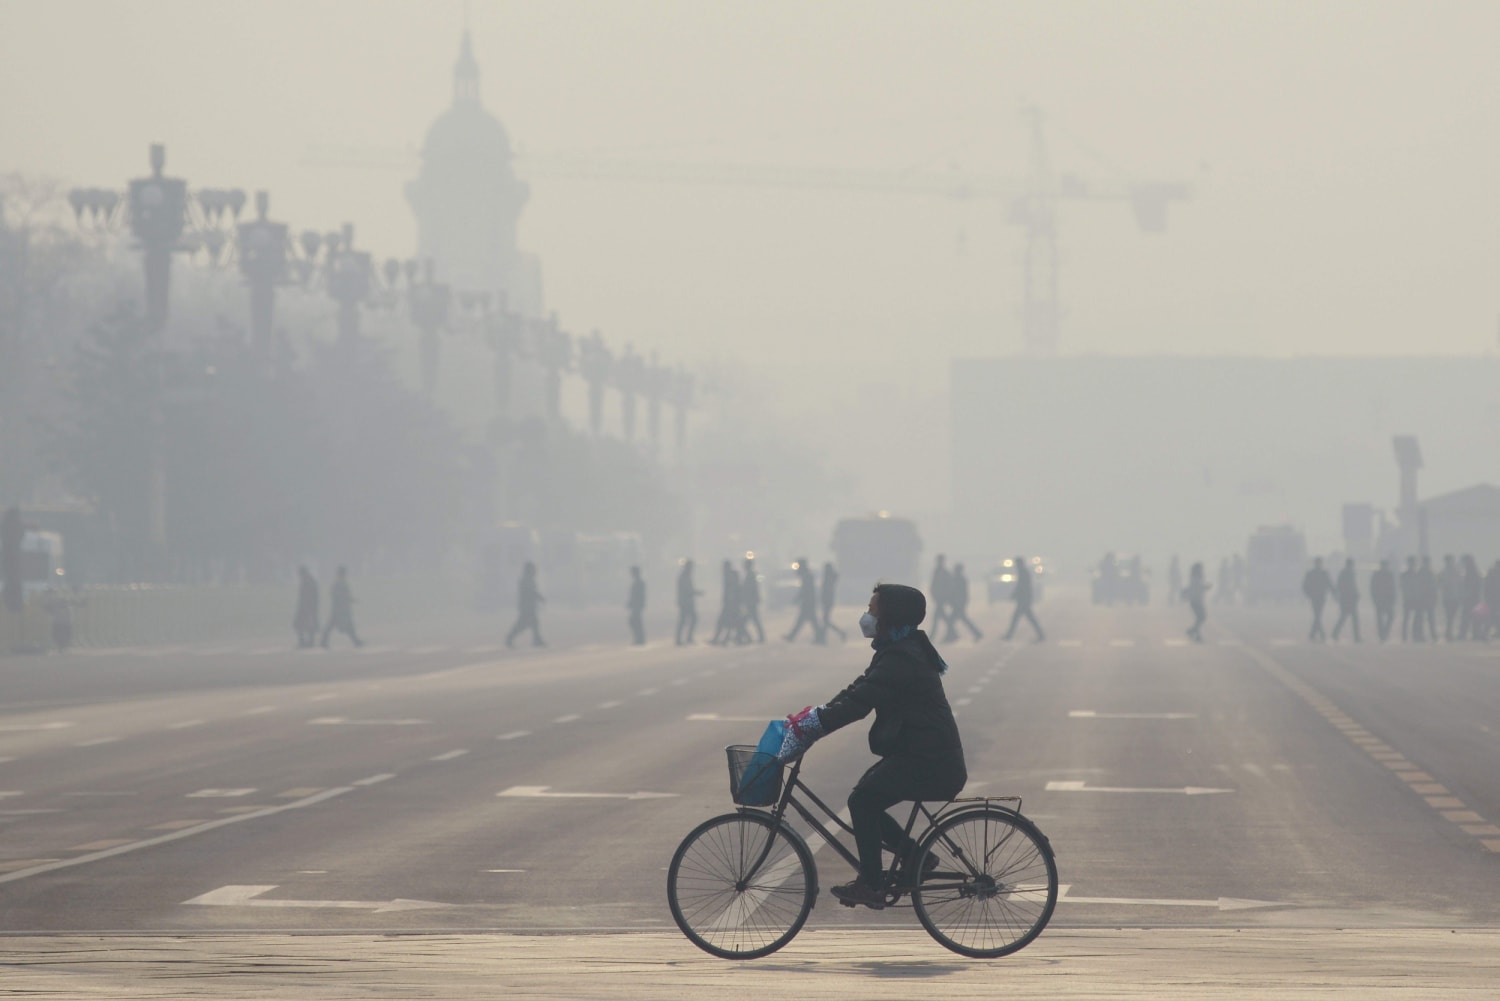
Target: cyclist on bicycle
x: 921, y: 756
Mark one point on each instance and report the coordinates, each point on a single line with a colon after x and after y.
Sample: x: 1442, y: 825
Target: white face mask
x: 867, y: 624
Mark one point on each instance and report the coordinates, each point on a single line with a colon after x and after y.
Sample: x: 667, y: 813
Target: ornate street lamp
x: 263, y: 253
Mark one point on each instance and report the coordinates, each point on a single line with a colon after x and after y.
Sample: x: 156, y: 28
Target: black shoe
x: 859, y: 893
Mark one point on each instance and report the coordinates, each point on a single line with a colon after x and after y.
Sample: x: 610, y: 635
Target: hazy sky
x: 1345, y: 157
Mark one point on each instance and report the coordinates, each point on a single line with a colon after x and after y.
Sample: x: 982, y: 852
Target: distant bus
x: 877, y: 548
x: 1275, y: 560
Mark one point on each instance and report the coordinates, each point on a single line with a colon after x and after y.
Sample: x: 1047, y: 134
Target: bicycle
x: 741, y: 885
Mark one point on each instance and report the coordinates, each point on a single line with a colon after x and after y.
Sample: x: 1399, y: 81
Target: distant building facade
x: 1073, y: 456
x: 468, y: 200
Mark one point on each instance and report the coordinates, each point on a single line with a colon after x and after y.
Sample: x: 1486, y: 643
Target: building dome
x: 466, y: 197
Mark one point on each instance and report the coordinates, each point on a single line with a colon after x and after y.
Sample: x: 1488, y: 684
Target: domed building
x: 468, y: 200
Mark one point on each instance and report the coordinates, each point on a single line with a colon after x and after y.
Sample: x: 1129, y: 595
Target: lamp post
x: 262, y: 246
x: 158, y: 213
x: 429, y: 301
x: 350, y: 276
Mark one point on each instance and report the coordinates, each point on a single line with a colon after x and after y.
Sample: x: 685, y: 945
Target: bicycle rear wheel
x: 994, y: 884
x: 725, y: 908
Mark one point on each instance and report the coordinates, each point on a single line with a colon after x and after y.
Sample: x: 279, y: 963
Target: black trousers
x: 887, y: 782
x: 687, y: 621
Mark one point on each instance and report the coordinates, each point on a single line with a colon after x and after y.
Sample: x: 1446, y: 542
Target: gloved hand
x: 802, y: 730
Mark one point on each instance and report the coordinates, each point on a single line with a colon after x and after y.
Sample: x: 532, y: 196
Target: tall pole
x: 158, y: 212
x: 263, y: 260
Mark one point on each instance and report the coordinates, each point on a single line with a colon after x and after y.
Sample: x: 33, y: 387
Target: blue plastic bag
x: 760, y: 785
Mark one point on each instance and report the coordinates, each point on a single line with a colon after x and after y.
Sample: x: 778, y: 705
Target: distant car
x: 1000, y: 583
x: 1121, y: 581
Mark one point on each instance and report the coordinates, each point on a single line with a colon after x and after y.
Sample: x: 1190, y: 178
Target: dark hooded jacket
x: 903, y: 686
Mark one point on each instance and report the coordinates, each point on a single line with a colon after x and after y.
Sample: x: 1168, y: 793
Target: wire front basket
x: 754, y: 776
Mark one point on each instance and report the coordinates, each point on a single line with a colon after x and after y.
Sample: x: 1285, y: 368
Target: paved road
x: 1250, y: 782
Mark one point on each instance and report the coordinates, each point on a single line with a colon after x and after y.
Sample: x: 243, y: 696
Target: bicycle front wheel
x: 741, y: 886
x: 993, y: 886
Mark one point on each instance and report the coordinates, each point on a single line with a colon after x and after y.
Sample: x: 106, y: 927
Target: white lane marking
x: 4, y: 760
x: 219, y: 793
x: 540, y: 792
x: 374, y: 779
x: 610, y: 705
x: 162, y: 839
x: 450, y: 755
x: 974, y: 689
x: 569, y: 718
x: 646, y: 691
x: 23, y: 727
x: 505, y: 870
x: 1218, y: 903
x: 10, y: 792
x: 323, y: 697
x: 514, y: 735
x: 346, y: 721
x: 1070, y: 642
x: 715, y: 717
x: 258, y: 710
x: 1092, y: 714
x: 92, y: 793
x: 962, y: 702
x: 186, y: 724
x: 27, y: 813
x: 245, y: 896
x: 96, y: 741
x: 1070, y: 786
x: 1122, y: 643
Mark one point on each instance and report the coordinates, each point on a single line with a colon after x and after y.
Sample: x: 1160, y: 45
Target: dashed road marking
x: 514, y: 735
x: 219, y: 793
x: 374, y: 779
x: 460, y: 752
x: 569, y: 718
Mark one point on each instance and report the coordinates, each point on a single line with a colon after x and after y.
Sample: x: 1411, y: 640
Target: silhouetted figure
x: 1317, y: 586
x: 1174, y: 581
x: 1195, y: 594
x: 341, y: 609
x: 750, y: 606
x: 635, y: 604
x: 1427, y: 596
x: 1451, y: 592
x: 1472, y: 587
x: 1347, y: 591
x: 1023, y: 595
x: 529, y: 601
x: 959, y: 610
x: 729, y: 610
x: 1410, y: 600
x: 807, y: 604
x: 828, y: 593
x: 305, y: 619
x: 687, y: 604
x: 939, y: 593
x: 1484, y: 619
x: 1383, y: 596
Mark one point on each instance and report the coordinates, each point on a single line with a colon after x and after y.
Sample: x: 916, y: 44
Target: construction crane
x: 1032, y: 202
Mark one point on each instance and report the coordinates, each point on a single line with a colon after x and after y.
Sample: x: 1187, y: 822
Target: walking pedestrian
x: 1023, y: 595
x: 687, y: 604
x: 1427, y: 593
x: 1347, y: 591
x: 729, y: 608
x: 341, y: 609
x: 827, y: 597
x: 1383, y: 596
x: 1451, y: 592
x: 1194, y: 594
x: 939, y: 591
x: 807, y: 604
x: 958, y: 611
x: 305, y: 618
x: 1317, y: 586
x: 750, y: 606
x: 1410, y: 600
x: 1473, y: 594
x: 528, y: 603
x: 635, y: 604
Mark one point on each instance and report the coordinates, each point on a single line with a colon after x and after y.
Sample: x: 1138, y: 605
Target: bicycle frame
x: 793, y: 782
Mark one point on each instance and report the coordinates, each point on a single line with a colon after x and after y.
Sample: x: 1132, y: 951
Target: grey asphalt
x: 1251, y: 811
